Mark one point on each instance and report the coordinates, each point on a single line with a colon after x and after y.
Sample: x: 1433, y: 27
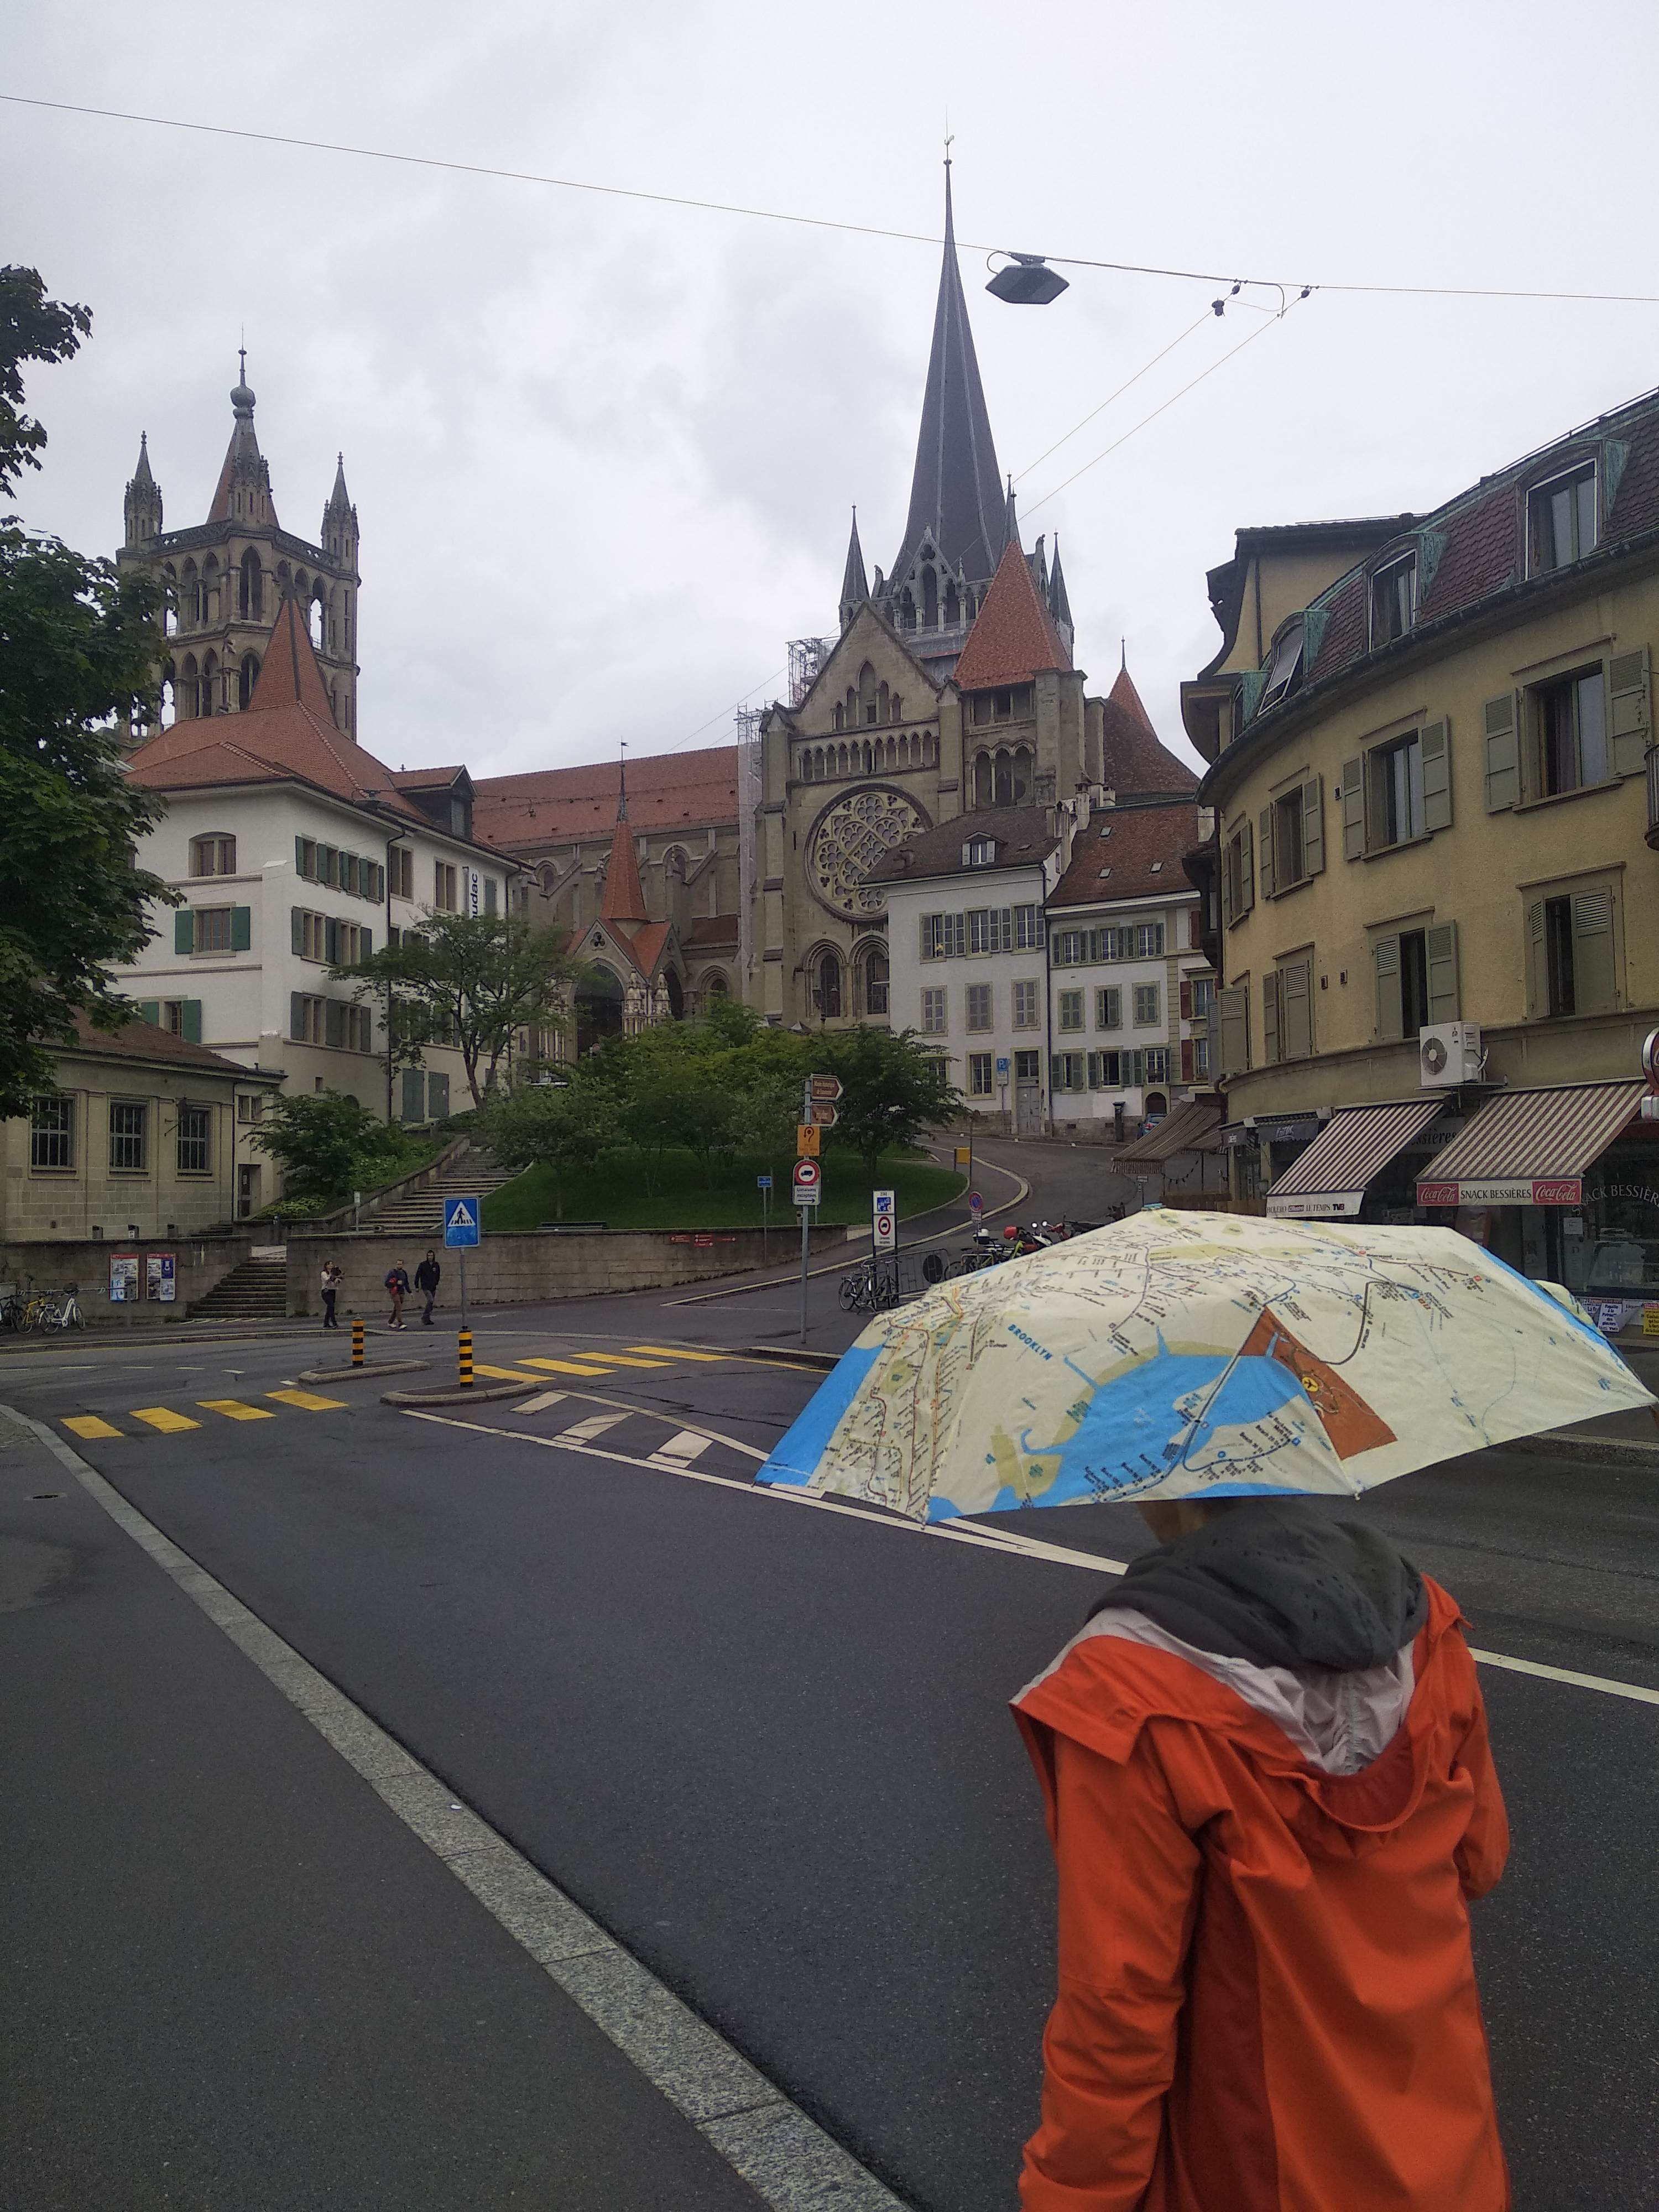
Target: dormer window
x: 979, y: 852
x: 1286, y: 666
x: 1393, y: 600
x: 1562, y: 521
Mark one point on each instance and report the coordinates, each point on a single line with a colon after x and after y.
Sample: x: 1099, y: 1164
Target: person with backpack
x: 397, y: 1285
x: 1271, y: 1797
x: 427, y: 1276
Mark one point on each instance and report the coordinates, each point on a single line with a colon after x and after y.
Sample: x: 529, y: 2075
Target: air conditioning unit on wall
x: 1448, y: 1055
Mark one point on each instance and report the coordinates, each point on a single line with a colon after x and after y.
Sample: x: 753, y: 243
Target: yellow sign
x: 1651, y: 1320
x: 807, y: 1140
x: 965, y: 1158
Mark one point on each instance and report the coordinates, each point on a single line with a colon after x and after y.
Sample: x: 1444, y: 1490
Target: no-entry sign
x: 883, y: 1221
x: 809, y: 1183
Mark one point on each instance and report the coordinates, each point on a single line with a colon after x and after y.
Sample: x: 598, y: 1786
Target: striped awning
x: 1530, y: 1148
x: 1193, y: 1128
x: 1328, y: 1181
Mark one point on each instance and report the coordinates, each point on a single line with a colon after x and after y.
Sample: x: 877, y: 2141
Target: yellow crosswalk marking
x: 307, y: 1400
x: 235, y: 1410
x: 88, y: 1425
x: 669, y: 1351
x: 504, y: 1374
x: 566, y: 1367
x: 164, y: 1418
x: 623, y: 1359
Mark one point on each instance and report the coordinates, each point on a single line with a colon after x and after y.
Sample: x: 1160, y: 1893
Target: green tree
x: 32, y: 328
x: 566, y: 1127
x: 474, y: 979
x: 892, y: 1089
x: 327, y: 1143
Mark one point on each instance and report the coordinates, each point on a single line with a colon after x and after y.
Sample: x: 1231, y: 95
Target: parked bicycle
x: 871, y: 1288
x: 49, y: 1309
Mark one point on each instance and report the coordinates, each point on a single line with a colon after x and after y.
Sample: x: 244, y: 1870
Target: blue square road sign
x: 461, y: 1221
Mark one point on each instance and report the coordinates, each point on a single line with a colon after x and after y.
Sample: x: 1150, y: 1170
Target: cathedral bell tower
x: 223, y: 581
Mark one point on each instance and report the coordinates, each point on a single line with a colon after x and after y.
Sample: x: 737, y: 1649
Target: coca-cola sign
x: 1519, y: 1190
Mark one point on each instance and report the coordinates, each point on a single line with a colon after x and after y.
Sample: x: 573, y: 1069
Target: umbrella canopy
x: 1198, y: 1355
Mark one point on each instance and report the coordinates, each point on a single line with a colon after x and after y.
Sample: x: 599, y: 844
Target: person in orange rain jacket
x: 1270, y: 1795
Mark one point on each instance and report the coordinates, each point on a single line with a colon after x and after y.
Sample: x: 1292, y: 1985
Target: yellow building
x: 1433, y: 892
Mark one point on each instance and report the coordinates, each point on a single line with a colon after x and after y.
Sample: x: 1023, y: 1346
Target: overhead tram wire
x: 723, y: 711
x: 1145, y: 369
x: 810, y: 222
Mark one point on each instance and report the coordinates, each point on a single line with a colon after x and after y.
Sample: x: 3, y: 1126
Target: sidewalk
x: 235, y: 1977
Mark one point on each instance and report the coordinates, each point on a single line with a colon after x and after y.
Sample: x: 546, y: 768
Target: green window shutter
x: 298, y: 920
x: 365, y: 946
x: 1434, y: 738
x: 1296, y: 1011
x: 1264, y: 845
x: 1595, y: 979
x: 1251, y: 685
x: 1246, y: 869
x: 296, y: 1016
x: 1353, y: 810
x: 1628, y: 716
x: 1271, y: 1050
x: 241, y: 928
x: 1390, y: 1005
x: 1538, y: 963
x: 1233, y: 1021
x: 190, y: 1021
x: 149, y: 1010
x: 1313, y: 825
x: 1228, y: 883
x: 1441, y: 946
x: 183, y: 930
x: 1503, y: 754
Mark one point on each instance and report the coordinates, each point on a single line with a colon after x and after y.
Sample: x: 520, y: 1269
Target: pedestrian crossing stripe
x: 626, y: 1359
x: 90, y: 1425
x: 164, y: 1418
x: 235, y: 1410
x: 307, y: 1400
x: 679, y: 1351
x: 504, y: 1374
x: 567, y: 1367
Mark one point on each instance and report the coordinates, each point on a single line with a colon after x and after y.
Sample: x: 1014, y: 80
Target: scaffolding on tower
x: 748, y: 722
x: 807, y: 656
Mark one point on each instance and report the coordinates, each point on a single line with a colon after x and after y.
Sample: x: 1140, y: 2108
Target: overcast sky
x: 602, y: 452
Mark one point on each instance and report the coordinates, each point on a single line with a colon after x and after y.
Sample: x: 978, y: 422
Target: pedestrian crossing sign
x: 460, y: 1221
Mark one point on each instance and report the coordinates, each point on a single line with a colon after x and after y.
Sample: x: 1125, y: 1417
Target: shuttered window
x: 1415, y: 974
x: 1502, y: 762
x: 1290, y: 838
x: 1629, y: 715
x: 1239, y: 874
x: 1572, y: 962
x: 1109, y: 1008
x: 1233, y: 1024
x: 1287, y: 1012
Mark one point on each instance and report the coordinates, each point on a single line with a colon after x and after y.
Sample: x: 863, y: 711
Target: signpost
x: 884, y: 1226
x: 808, y: 1139
x: 463, y: 1227
x: 763, y: 1185
x: 1002, y: 1079
x: 976, y: 1207
x: 817, y: 1112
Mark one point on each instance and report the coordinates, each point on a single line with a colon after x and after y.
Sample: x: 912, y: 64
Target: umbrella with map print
x: 1198, y: 1355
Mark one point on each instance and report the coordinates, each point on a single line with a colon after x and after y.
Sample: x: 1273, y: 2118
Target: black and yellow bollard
x: 357, y: 1341
x: 465, y: 1378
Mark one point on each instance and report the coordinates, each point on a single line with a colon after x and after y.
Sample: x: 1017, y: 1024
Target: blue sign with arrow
x: 461, y: 1221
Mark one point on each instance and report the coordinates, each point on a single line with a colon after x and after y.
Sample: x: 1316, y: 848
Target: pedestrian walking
x: 1270, y: 1795
x: 397, y: 1286
x: 332, y: 1277
x: 427, y: 1276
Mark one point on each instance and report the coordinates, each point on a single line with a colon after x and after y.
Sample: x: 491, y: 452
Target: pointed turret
x: 854, y: 588
x: 288, y: 675
x: 1059, y: 606
x: 1013, y: 638
x: 142, y: 504
x: 624, y: 894
x: 340, y: 520
x: 1123, y: 694
x: 1010, y: 518
x: 243, y: 491
x: 956, y: 495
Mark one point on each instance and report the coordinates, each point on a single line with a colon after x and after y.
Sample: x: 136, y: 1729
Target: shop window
x: 981, y: 1072
x: 1561, y: 521
x: 52, y: 1135
x: 1394, y: 601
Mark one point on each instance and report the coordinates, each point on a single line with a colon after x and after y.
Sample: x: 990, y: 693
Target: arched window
x: 929, y: 749
x: 1024, y: 764
x: 675, y: 866
x: 868, y: 700
x: 214, y: 855
x: 929, y: 599
x: 867, y: 763
x: 194, y: 614
x: 211, y: 589
x: 252, y: 596
x: 892, y: 752
x: 881, y: 703
x: 852, y: 707
x: 984, y: 787
x: 316, y: 624
x: 676, y: 994
x: 838, y: 722
x: 246, y: 677
x: 210, y: 684
x: 169, y: 697
x: 898, y: 707
x: 951, y: 612
x: 716, y: 986
x: 190, y: 697
x: 907, y: 610
x: 826, y: 986
x: 875, y: 975
x: 841, y: 759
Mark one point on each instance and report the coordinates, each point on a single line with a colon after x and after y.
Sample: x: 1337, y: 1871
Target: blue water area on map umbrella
x: 1126, y: 1437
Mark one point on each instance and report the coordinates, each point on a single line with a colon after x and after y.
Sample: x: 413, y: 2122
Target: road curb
x: 823, y: 1361
x: 474, y: 1396
x: 1609, y: 1451
x: 369, y: 1367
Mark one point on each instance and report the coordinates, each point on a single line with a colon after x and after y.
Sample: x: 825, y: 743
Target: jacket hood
x: 1280, y: 1582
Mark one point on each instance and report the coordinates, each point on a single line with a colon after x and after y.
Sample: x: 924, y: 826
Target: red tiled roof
x: 142, y: 1039
x: 426, y: 779
x: 624, y: 894
x: 1013, y: 634
x: 647, y: 944
x: 1128, y: 853
x: 666, y: 790
x: 1123, y: 694
x: 286, y: 730
x: 712, y: 929
x: 1021, y: 835
x: 1131, y: 758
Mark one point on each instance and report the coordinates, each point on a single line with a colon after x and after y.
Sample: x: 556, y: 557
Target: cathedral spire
x: 143, y: 503
x: 1059, y: 606
x: 854, y: 586
x: 243, y: 486
x: 956, y: 495
x: 624, y: 894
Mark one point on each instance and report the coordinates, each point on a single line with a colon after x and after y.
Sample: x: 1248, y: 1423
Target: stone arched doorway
x: 599, y: 1008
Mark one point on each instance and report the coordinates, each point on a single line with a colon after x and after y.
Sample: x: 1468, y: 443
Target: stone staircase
x: 420, y: 1213
x: 255, y: 1290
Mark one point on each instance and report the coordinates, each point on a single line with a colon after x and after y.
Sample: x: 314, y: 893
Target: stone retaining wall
x: 200, y: 1262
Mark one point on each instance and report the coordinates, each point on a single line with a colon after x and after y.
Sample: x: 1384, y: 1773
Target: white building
x: 1132, y: 992
x: 966, y: 949
x: 296, y: 849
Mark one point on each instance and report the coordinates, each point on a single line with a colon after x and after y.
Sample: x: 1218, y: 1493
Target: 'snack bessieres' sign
x: 1524, y: 1190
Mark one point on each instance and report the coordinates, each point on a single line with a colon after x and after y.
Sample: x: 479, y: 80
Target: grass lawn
x: 616, y: 1194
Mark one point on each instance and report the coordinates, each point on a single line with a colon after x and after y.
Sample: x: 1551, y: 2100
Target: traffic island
x: 456, y: 1396
x: 368, y: 1367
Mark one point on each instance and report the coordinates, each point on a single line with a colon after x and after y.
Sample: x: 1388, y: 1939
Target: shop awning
x: 1193, y: 1128
x: 1529, y: 1147
x: 1329, y: 1181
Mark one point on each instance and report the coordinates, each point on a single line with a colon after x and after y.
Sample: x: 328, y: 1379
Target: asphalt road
x: 766, y: 1746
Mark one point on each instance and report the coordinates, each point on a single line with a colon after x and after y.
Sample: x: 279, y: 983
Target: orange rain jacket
x: 1267, y: 1994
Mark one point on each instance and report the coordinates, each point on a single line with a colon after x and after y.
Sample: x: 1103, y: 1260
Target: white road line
x: 969, y: 1532
x: 538, y: 1405
x: 594, y: 1425
x: 788, y: 2160
x: 682, y: 1448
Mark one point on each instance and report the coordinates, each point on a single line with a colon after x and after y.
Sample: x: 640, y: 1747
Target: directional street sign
x: 827, y: 1087
x: 824, y: 1117
x: 807, y: 1140
x: 883, y: 1221
x: 809, y: 1183
x: 461, y: 1217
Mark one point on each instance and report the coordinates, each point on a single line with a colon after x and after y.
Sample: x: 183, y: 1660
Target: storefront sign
x: 1536, y: 1190
x: 1299, y: 1128
x: 1327, y: 1205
